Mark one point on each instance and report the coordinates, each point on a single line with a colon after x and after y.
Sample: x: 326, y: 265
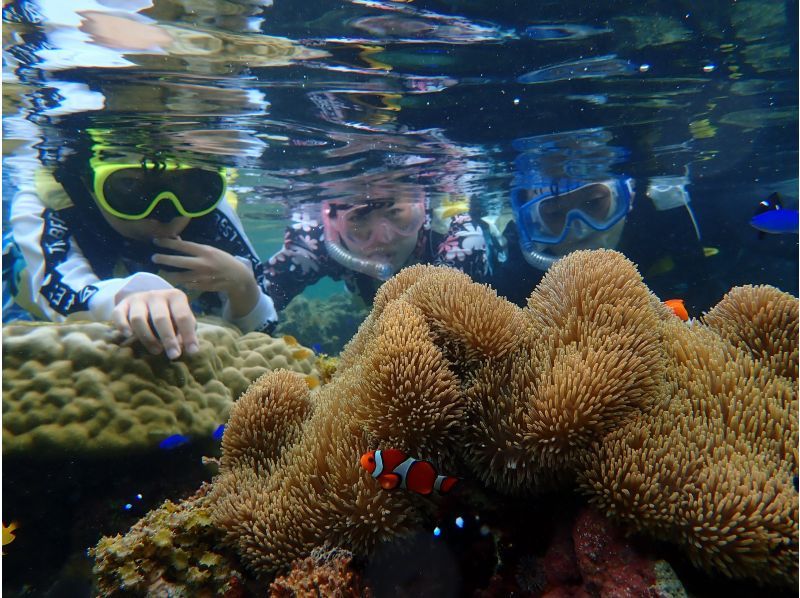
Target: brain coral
x: 684, y: 431
x: 76, y: 388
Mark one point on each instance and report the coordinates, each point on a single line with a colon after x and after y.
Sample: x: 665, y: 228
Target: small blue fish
x: 217, y: 435
x: 770, y: 217
x: 317, y: 348
x: 588, y: 68
x: 173, y: 442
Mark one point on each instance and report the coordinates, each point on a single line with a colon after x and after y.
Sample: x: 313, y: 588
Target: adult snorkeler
x: 562, y: 216
x: 366, y: 242
x: 144, y: 241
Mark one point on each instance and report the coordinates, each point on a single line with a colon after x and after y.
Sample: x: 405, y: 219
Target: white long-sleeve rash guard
x: 63, y: 282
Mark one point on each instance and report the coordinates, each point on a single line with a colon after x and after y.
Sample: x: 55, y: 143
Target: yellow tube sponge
x: 169, y: 552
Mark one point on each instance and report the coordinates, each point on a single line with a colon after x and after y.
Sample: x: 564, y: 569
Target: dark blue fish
x: 562, y: 31
x: 173, y: 442
x: 600, y: 66
x: 217, y: 435
x: 778, y: 222
x: 770, y: 217
x: 317, y: 348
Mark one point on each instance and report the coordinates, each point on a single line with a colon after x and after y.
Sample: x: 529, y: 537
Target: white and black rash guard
x: 73, y: 267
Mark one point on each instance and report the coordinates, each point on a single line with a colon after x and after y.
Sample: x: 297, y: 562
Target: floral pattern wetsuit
x: 303, y: 260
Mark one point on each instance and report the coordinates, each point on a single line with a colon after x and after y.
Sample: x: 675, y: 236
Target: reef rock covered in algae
x: 169, y: 552
x: 677, y: 430
x: 78, y: 388
x: 329, y: 323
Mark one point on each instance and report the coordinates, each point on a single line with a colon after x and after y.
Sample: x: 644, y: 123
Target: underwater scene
x: 400, y: 298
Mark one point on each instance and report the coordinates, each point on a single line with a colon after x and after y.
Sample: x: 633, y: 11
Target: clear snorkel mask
x: 354, y: 233
x: 550, y: 213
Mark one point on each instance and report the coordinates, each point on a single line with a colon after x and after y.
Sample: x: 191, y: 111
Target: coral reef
x: 324, y: 573
x: 169, y: 552
x: 670, y: 428
x: 586, y: 556
x: 79, y: 388
x: 761, y: 321
x: 329, y: 323
x: 610, y: 566
x: 712, y: 470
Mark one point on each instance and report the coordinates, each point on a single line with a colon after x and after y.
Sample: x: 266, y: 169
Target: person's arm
x: 301, y: 262
x: 464, y: 248
x: 61, y: 280
x: 254, y: 290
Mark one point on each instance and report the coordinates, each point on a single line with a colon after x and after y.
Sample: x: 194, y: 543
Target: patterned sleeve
x: 301, y: 262
x: 464, y: 248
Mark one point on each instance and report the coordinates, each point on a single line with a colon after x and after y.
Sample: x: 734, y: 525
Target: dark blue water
x: 317, y: 100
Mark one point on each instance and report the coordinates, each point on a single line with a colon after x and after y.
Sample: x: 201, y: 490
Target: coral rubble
x: 686, y: 432
x: 78, y: 388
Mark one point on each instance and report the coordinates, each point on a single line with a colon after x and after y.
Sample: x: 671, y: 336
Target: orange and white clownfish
x: 393, y: 469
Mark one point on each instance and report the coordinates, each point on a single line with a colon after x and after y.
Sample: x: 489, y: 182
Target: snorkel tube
x: 333, y: 244
x: 372, y: 268
x: 537, y: 259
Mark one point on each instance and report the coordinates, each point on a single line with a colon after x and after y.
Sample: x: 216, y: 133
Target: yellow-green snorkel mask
x: 134, y: 191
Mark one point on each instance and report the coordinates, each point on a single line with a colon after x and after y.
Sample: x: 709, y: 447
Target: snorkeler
x: 145, y: 242
x: 366, y: 242
x: 558, y: 214
x: 565, y: 215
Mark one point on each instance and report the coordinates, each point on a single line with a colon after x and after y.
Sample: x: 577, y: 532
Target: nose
x: 164, y: 212
x: 383, y: 234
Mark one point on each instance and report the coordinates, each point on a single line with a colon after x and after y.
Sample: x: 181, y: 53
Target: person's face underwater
x: 597, y: 202
x: 384, y: 232
x: 144, y: 203
x: 147, y: 229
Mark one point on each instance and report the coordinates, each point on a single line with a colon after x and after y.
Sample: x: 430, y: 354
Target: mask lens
x: 132, y: 191
x: 127, y: 191
x: 365, y: 225
x: 197, y: 190
x: 593, y: 202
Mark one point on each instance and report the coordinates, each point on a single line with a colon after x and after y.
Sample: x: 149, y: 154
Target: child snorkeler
x: 145, y: 242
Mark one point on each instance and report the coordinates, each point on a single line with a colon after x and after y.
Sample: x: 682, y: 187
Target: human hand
x: 162, y: 320
x: 206, y: 268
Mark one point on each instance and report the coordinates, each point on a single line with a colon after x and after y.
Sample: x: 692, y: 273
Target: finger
x: 179, y: 244
x: 178, y: 261
x: 139, y: 318
x: 120, y: 319
x: 185, y: 322
x: 205, y: 281
x: 185, y: 277
x: 161, y: 316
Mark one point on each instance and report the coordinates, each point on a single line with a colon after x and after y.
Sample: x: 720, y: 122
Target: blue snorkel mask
x: 550, y: 212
